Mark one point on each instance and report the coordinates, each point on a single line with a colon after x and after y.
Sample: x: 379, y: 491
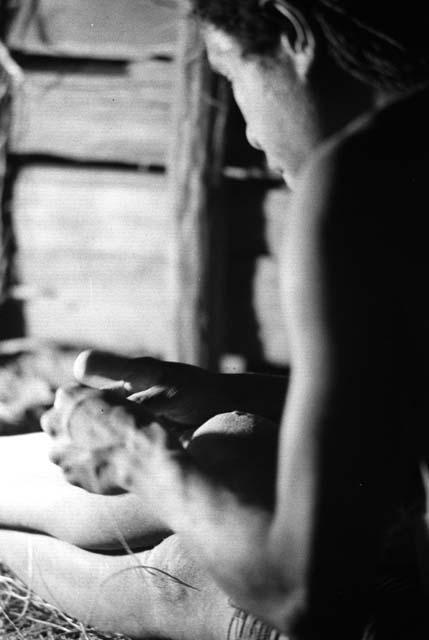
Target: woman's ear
x: 297, y: 40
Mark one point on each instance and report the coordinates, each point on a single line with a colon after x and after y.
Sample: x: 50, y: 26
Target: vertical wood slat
x: 4, y: 124
x: 11, y: 322
x: 196, y: 165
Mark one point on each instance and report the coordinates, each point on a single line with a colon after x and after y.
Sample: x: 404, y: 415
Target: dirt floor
x: 29, y: 375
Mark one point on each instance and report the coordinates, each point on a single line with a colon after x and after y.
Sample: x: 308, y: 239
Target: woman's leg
x: 159, y: 593
x: 35, y: 496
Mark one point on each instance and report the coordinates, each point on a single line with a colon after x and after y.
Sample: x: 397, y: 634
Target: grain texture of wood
x: 94, y: 250
x: 4, y: 131
x: 196, y: 163
x: 90, y: 116
x: 10, y: 312
x: 104, y: 29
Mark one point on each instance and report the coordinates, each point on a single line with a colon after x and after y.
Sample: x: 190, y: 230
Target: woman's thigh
x: 35, y: 496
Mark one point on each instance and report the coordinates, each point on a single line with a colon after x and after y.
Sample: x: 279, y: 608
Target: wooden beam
x: 98, y: 29
x: 93, y: 256
x: 93, y: 115
x: 4, y: 128
x: 196, y: 164
x: 11, y: 320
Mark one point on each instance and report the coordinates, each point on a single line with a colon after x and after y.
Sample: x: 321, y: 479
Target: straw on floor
x: 25, y: 616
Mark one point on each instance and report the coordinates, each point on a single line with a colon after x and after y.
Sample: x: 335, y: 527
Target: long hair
x: 385, y: 46
x: 382, y: 43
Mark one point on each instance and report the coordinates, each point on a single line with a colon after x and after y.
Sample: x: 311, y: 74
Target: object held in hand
x: 99, y: 437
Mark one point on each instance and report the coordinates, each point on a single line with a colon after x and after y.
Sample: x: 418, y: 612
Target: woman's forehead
x: 218, y: 42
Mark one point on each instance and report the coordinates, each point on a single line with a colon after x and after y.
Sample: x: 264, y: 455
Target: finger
x: 49, y: 423
x: 64, y: 396
x: 101, y: 369
x: 156, y: 397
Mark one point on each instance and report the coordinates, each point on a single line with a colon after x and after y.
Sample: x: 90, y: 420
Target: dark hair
x: 382, y: 44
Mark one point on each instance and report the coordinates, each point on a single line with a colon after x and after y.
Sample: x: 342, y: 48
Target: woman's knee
x: 239, y: 424
x: 239, y: 451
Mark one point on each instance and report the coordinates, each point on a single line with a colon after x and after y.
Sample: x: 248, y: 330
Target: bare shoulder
x: 337, y: 253
x: 336, y: 194
x: 343, y: 167
x: 366, y: 175
x: 379, y: 161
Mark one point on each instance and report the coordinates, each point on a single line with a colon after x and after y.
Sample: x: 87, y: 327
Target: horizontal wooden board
x: 95, y: 28
x: 140, y: 324
x: 96, y: 117
x: 94, y: 257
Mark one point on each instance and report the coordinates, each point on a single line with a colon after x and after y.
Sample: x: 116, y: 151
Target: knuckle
x: 49, y: 423
x: 65, y: 395
x: 56, y: 457
x: 60, y: 398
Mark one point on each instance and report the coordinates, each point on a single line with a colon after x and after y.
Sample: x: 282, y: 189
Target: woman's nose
x: 252, y: 140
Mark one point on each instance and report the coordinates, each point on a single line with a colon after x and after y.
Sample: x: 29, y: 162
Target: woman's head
x: 382, y: 43
x: 302, y: 69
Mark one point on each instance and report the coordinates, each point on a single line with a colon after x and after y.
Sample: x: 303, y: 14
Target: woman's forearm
x: 228, y: 537
x: 224, y: 521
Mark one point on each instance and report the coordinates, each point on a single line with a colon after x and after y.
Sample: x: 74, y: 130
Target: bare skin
x: 340, y: 468
x: 161, y: 592
x: 39, y: 498
x: 351, y: 439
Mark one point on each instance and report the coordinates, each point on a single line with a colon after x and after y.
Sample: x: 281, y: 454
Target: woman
x: 334, y: 93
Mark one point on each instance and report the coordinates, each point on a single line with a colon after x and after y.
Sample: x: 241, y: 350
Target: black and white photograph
x: 214, y: 334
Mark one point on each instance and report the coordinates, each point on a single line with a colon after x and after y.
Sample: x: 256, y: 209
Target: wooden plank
x: 196, y: 160
x: 276, y: 207
x: 256, y: 328
x: 10, y: 311
x: 4, y: 132
x: 94, y: 257
x: 270, y: 319
x: 94, y: 117
x: 95, y: 28
x: 95, y: 210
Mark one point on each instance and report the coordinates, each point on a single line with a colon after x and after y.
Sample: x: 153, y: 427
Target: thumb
x: 101, y: 369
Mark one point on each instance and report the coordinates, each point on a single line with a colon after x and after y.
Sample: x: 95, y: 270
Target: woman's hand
x: 184, y: 394
x: 101, y: 440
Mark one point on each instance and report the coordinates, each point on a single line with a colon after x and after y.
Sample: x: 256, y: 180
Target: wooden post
x: 196, y: 167
x: 4, y: 131
x: 11, y: 321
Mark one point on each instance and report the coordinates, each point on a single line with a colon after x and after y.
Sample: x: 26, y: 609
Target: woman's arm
x: 185, y: 394
x: 311, y: 565
x: 341, y: 466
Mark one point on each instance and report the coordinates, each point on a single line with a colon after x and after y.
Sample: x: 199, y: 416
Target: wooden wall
x: 104, y: 257
x: 94, y: 112
x: 93, y: 252
x: 10, y: 315
x: 4, y: 130
x: 89, y: 140
x: 257, y: 203
x: 103, y: 29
